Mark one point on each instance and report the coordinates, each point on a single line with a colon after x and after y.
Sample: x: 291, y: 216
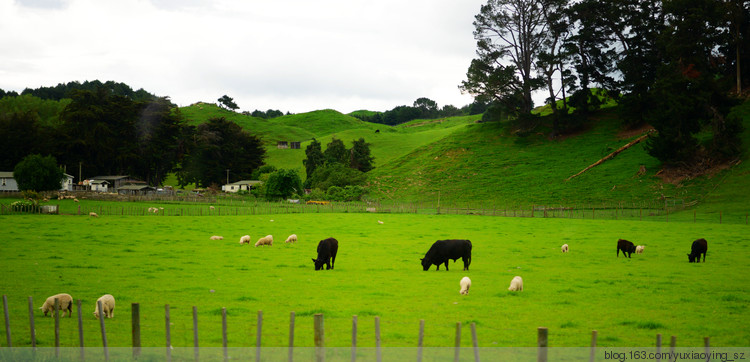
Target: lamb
x: 245, y: 239
x: 65, y: 301
x: 211, y: 207
x: 93, y: 214
x: 564, y: 248
x: 291, y: 239
x: 516, y: 285
x: 266, y: 240
x: 465, y: 285
x: 108, y: 306
x: 217, y: 237
x: 639, y: 249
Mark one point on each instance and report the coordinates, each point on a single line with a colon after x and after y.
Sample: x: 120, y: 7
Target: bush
x: 25, y: 206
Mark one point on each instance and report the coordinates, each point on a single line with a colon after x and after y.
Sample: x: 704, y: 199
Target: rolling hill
x: 460, y: 160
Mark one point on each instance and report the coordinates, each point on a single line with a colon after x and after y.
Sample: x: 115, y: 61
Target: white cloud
x: 291, y: 55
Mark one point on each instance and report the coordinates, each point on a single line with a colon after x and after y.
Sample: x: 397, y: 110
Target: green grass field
x: 170, y: 260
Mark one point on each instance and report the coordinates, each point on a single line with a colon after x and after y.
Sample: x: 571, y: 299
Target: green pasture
x: 170, y: 260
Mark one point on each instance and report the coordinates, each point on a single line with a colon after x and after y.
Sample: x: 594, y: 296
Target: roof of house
x: 246, y: 182
x: 135, y: 188
x: 6, y: 174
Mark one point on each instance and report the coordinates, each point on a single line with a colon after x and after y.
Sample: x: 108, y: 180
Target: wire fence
x: 669, y: 210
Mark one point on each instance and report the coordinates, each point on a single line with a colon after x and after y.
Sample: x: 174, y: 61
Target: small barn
x: 99, y: 185
x: 135, y: 190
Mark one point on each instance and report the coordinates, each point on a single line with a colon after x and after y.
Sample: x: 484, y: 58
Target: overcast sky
x: 290, y: 55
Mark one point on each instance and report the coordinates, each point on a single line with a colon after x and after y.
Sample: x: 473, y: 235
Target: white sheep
x: 564, y: 248
x: 108, y: 306
x: 465, y: 285
x: 93, y: 214
x: 211, y: 207
x: 291, y: 239
x: 639, y: 249
x: 266, y: 240
x: 65, y: 302
x: 245, y: 239
x: 516, y: 285
x: 217, y: 237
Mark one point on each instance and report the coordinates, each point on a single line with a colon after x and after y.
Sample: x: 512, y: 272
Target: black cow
x: 626, y: 247
x: 699, y: 247
x: 327, y: 249
x: 443, y: 250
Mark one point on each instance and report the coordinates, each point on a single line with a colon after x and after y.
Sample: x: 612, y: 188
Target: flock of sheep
x: 65, y: 304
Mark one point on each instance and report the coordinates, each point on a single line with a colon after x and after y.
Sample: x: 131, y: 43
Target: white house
x: 244, y: 185
x: 7, y: 182
x: 67, y: 183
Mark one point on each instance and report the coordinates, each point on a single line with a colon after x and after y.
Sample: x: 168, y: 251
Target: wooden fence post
x: 672, y: 345
x: 458, y: 340
x: 57, y: 328
x: 354, y: 338
x: 377, y: 339
x: 224, y: 333
x: 7, y: 321
x: 135, y: 313
x: 420, y: 341
x: 258, y: 336
x: 31, y: 323
x: 658, y: 346
x: 319, y: 337
x: 542, y: 343
x: 196, y: 351
x: 474, y: 341
x: 80, y: 330
x: 167, y: 332
x: 291, y: 336
x: 104, y: 332
x: 592, y: 355
x: 707, y: 345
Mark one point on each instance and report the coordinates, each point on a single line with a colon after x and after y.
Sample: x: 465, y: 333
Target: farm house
x: 245, y: 185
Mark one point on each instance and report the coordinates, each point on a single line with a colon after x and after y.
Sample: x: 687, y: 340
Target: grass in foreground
x: 170, y: 260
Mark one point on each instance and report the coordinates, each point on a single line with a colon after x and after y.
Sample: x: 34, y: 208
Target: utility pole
x: 227, y: 176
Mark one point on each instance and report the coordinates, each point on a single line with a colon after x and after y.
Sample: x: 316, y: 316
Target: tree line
x: 98, y: 132
x: 422, y: 108
x: 672, y: 64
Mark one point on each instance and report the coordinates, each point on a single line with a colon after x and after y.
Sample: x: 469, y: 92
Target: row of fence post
x: 319, y: 335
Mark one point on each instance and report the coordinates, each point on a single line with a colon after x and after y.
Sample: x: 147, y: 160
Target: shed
x: 99, y: 185
x: 245, y: 185
x: 135, y: 190
x: 114, y: 181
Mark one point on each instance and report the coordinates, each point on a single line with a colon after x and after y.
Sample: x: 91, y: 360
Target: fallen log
x: 613, y: 154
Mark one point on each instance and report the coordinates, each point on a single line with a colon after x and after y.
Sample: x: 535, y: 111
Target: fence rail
x: 543, y: 342
x: 605, y: 211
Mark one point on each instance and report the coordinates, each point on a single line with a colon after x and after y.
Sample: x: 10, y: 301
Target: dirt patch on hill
x: 635, y: 131
x: 705, y: 167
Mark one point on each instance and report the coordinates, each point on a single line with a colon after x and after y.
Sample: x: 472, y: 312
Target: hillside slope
x: 459, y: 160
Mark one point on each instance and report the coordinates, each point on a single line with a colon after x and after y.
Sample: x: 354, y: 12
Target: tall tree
x: 507, y: 31
x: 228, y: 102
x: 687, y: 89
x: 158, y: 131
x: 427, y: 107
x: 314, y: 158
x: 359, y: 156
x: 336, y: 152
x: 37, y: 173
x: 220, y: 145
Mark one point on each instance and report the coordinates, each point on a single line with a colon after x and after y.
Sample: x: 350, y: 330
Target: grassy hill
x: 460, y: 160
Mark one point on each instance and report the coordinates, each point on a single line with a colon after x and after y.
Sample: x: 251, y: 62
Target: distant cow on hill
x: 626, y: 247
x: 699, y: 247
x: 327, y: 249
x: 444, y: 250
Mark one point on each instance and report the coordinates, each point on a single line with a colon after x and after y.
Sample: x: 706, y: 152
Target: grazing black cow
x: 443, y: 250
x: 699, y: 247
x: 626, y: 247
x: 327, y: 249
